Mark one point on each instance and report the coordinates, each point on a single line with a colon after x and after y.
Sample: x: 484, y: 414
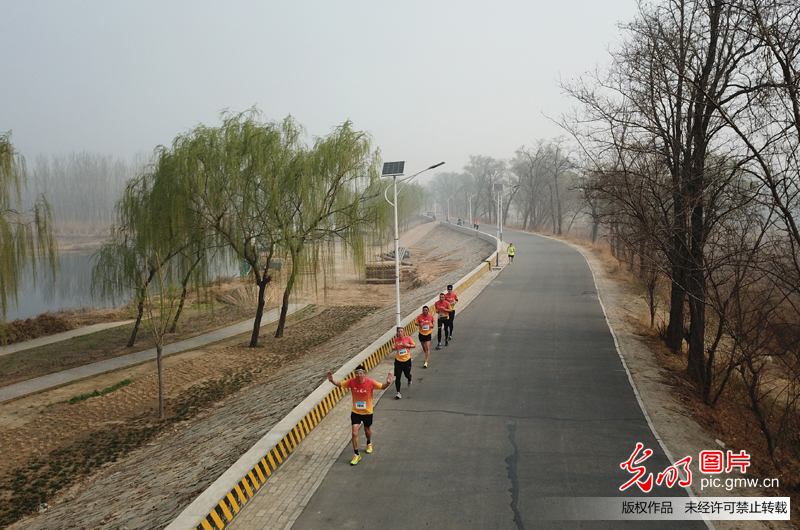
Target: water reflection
x: 72, y: 288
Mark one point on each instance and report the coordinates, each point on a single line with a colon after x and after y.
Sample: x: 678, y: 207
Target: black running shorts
x: 356, y: 419
x: 425, y: 338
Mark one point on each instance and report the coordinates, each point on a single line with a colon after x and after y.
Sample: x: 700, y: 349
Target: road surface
x: 530, y: 403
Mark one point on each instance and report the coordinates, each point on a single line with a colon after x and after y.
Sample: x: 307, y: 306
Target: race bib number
x: 403, y: 351
x: 361, y: 405
x: 425, y: 327
x: 442, y: 315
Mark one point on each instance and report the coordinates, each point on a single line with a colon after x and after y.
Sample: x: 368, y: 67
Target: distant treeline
x: 81, y: 188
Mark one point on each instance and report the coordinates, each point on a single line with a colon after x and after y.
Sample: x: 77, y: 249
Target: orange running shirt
x: 442, y: 309
x: 425, y: 324
x: 451, y: 298
x: 362, y: 394
x: 403, y: 347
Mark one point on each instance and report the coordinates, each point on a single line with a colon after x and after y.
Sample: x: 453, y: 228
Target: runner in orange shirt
x: 361, y: 388
x: 451, y: 297
x: 402, y: 360
x: 442, y: 309
x: 425, y: 325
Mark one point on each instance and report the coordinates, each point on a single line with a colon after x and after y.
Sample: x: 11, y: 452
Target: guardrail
x: 477, y: 233
x: 219, y: 504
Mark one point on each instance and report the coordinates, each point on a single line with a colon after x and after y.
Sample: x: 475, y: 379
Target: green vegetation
x: 98, y: 393
x: 26, y: 237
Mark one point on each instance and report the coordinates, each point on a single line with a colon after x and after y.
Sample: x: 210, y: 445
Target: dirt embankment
x: 107, y: 461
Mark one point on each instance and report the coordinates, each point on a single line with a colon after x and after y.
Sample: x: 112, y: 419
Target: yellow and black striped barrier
x: 241, y: 494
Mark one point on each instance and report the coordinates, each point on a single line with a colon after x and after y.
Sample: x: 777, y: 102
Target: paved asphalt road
x: 529, y: 402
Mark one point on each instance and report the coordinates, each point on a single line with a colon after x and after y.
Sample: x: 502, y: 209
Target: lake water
x: 72, y: 288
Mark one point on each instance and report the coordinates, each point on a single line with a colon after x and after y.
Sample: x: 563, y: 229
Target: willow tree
x: 26, y: 236
x: 326, y: 197
x: 233, y: 177
x: 153, y: 232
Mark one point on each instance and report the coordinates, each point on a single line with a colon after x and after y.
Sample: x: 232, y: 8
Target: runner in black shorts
x: 442, y: 309
x: 402, y: 361
x: 425, y: 325
x: 361, y: 388
x: 451, y: 297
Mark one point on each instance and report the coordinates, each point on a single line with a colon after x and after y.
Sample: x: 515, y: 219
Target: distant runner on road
x: 361, y: 388
x: 442, y: 308
x: 425, y: 325
x: 451, y: 298
x: 511, y: 251
x: 402, y: 360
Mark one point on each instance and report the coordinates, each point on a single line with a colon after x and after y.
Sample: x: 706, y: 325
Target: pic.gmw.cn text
x: 711, y: 463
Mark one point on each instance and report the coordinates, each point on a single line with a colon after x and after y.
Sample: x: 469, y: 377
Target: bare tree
x: 656, y: 106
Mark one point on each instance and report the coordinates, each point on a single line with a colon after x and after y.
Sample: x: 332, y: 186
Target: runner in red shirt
x: 451, y: 297
x: 402, y: 360
x: 442, y: 309
x: 425, y: 325
x: 361, y: 388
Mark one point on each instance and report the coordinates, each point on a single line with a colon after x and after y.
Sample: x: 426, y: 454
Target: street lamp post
x: 471, y: 220
x: 448, y: 208
x: 499, y: 192
x: 394, y: 170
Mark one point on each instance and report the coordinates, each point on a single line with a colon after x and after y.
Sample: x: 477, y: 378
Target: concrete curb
x: 219, y: 504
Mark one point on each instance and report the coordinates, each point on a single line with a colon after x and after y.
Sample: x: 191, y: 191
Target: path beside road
x: 58, y: 337
x: 45, y: 382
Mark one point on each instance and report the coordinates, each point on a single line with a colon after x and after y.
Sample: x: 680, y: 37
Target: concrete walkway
x: 45, y: 382
x: 58, y: 337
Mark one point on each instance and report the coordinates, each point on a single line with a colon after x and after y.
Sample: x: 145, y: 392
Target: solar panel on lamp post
x: 394, y: 170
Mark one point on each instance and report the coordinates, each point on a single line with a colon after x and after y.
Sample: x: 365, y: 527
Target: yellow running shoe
x: 356, y: 459
x: 425, y: 365
x: 369, y: 447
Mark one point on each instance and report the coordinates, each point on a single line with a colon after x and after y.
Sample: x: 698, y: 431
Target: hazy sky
x: 431, y: 80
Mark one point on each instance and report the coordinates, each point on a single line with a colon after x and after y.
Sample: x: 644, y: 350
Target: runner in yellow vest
x: 511, y: 251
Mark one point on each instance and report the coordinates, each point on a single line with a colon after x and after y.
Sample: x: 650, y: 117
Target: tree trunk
x: 141, y: 293
x: 286, y: 292
x: 160, y: 363
x: 184, y: 284
x: 174, y: 325
x: 262, y: 289
x: 135, y: 331
x: 674, y: 338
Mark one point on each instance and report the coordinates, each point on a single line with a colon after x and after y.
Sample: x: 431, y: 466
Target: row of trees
x: 81, y: 189
x: 689, y: 146
x: 248, y: 191
x: 542, y: 188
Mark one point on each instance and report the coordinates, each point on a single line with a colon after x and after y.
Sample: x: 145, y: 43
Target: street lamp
x: 394, y: 170
x: 448, y: 208
x: 471, y: 220
x: 499, y: 192
x: 498, y: 189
